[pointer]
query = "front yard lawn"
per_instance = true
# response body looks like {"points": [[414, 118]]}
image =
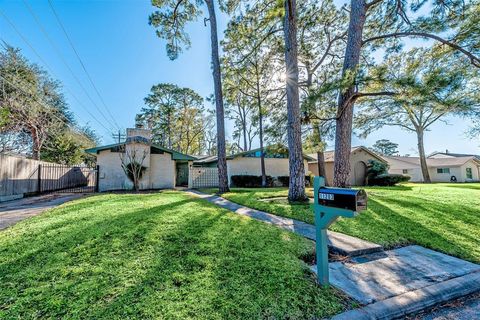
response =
{"points": [[444, 217], [161, 255]]}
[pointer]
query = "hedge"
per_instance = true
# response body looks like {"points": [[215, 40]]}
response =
{"points": [[249, 181], [387, 179], [285, 180]]}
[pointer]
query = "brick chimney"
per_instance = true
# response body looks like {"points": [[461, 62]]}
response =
{"points": [[139, 134]]}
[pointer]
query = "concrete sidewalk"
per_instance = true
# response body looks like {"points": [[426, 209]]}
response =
{"points": [[14, 211], [388, 284], [337, 242]]}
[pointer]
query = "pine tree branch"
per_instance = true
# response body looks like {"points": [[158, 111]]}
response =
{"points": [[473, 58]]}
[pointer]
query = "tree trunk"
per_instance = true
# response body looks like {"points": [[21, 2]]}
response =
{"points": [[296, 189], [423, 159], [320, 154], [321, 164], [36, 144], [343, 132], [244, 125], [260, 135], [217, 79]]}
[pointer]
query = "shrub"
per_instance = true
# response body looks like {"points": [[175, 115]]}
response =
{"points": [[249, 181], [376, 168], [285, 180], [387, 179]]}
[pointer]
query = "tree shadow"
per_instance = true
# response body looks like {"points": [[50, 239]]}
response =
{"points": [[181, 259]]}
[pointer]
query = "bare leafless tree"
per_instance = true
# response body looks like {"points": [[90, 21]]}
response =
{"points": [[132, 159]]}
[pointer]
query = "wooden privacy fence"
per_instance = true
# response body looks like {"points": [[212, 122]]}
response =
{"points": [[203, 177], [21, 176]]}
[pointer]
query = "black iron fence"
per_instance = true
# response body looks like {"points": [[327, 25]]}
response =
{"points": [[62, 178]]}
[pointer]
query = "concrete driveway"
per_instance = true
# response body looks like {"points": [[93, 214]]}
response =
{"points": [[14, 211]]}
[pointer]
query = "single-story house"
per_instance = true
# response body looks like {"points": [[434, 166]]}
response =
{"points": [[359, 158], [441, 167], [165, 168], [248, 163]]}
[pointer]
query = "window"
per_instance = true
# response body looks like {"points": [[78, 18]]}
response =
{"points": [[469, 173], [443, 170], [405, 171]]}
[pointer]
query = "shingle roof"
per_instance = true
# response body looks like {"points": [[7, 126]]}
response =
{"points": [[175, 154], [436, 162], [456, 155], [329, 156], [210, 159]]}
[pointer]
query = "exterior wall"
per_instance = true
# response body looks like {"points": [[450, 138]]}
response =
{"points": [[111, 175], [415, 173], [356, 156], [251, 166], [313, 168], [445, 177], [475, 171], [160, 172]]}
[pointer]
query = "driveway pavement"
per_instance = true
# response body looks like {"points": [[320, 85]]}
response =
{"points": [[14, 211]]}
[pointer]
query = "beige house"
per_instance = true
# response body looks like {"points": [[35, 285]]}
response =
{"points": [[442, 167], [164, 168], [248, 163], [359, 158]]}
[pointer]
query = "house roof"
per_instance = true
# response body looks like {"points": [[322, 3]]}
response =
{"points": [[175, 154], [210, 159], [456, 155], [329, 156], [435, 162]]}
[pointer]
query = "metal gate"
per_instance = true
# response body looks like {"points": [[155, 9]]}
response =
{"points": [[203, 177], [62, 178]]}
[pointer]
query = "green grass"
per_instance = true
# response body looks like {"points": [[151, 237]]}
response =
{"points": [[444, 217], [162, 255]]}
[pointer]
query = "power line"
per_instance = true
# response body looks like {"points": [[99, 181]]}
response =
{"points": [[51, 71], [81, 62], [36, 100], [59, 53]]}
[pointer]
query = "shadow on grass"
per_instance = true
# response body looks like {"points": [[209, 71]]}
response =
{"points": [[388, 227], [181, 259], [471, 186]]}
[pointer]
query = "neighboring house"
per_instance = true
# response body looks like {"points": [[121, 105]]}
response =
{"points": [[248, 163], [359, 158], [165, 168], [441, 167]]}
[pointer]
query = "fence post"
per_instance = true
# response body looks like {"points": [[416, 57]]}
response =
{"points": [[97, 177], [39, 179]]}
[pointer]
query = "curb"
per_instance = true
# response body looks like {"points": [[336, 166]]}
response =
{"points": [[417, 300]]}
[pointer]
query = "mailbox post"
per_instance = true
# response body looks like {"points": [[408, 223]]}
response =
{"points": [[329, 204]]}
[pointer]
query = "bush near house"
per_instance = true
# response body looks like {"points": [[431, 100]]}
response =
{"points": [[377, 175], [387, 180], [250, 181]]}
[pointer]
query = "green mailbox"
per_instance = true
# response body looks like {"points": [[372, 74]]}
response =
{"points": [[329, 204]]}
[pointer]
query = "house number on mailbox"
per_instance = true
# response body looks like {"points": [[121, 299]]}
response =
{"points": [[326, 196]]}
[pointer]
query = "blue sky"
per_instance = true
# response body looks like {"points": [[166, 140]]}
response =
{"points": [[125, 58]]}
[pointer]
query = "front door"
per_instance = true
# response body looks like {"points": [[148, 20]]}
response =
{"points": [[360, 172], [182, 174]]}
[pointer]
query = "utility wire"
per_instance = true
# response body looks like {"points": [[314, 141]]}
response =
{"points": [[22, 89], [59, 53], [81, 62], [51, 71]]}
